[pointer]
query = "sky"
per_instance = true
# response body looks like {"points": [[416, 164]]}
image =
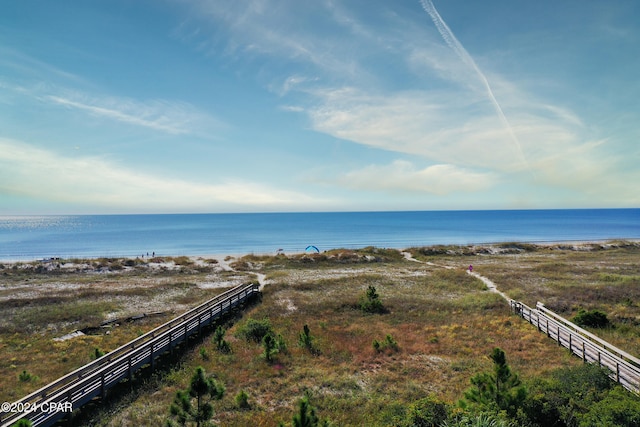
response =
{"points": [[176, 106]]}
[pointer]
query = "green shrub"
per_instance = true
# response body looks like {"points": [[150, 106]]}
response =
{"points": [[203, 353], [255, 330], [273, 345], [591, 318], [242, 400], [618, 409], [183, 410], [218, 339], [269, 345], [25, 377], [427, 412], [500, 389], [305, 340], [306, 415], [389, 343], [480, 420], [567, 395], [281, 345], [370, 302], [97, 353]]}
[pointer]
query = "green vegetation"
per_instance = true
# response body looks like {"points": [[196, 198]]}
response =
{"points": [[591, 318], [617, 409], [202, 390], [389, 344], [479, 420], [218, 339], [204, 354], [306, 415], [26, 377], [270, 349], [445, 322], [242, 400], [261, 331], [255, 330], [427, 412], [370, 301], [566, 396], [500, 390], [305, 340], [43, 302]]}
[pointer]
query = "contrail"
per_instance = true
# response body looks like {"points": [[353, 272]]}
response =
{"points": [[451, 40]]}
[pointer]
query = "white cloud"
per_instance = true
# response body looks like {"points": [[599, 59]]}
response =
{"points": [[27, 65], [166, 116], [464, 134], [283, 31], [419, 123], [38, 173], [404, 176], [291, 83], [176, 118]]}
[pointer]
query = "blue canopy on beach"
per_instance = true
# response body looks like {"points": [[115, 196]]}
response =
{"points": [[312, 248]]}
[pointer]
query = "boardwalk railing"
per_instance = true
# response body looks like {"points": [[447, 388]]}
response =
{"points": [[623, 368], [52, 402]]}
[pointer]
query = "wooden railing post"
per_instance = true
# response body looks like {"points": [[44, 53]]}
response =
{"points": [[617, 372], [152, 345], [102, 388], [129, 371], [570, 343], [548, 331], [97, 372]]}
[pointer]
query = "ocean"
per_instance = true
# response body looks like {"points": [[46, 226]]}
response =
{"points": [[88, 236]]}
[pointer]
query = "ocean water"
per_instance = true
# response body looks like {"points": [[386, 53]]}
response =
{"points": [[85, 236]]}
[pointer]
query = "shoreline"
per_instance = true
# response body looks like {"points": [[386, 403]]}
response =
{"points": [[222, 256]]}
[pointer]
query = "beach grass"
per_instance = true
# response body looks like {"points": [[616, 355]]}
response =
{"points": [[444, 321]]}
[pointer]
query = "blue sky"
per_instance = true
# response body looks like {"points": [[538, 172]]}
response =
{"points": [[168, 106]]}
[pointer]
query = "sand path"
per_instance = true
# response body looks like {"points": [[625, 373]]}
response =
{"points": [[491, 286], [262, 278]]}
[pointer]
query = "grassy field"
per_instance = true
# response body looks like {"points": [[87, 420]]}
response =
{"points": [[444, 321]]}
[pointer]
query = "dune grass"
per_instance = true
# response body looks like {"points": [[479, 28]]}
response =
{"points": [[444, 322], [39, 304]]}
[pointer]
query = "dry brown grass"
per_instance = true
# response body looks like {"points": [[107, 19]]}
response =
{"points": [[444, 321], [38, 305]]}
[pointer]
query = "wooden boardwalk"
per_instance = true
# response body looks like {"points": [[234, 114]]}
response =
{"points": [[49, 404], [94, 379], [623, 367]]}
